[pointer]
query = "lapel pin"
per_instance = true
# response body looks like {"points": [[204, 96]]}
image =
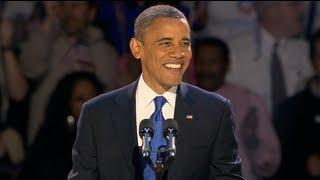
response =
{"points": [[190, 117]]}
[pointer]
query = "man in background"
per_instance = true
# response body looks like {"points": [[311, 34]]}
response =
{"points": [[259, 147]]}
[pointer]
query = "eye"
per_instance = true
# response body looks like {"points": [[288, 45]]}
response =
{"points": [[165, 43], [186, 43]]}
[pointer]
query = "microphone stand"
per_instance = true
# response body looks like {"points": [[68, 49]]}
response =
{"points": [[159, 166], [163, 161]]}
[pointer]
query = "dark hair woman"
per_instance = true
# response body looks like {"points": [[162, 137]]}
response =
{"points": [[50, 155]]}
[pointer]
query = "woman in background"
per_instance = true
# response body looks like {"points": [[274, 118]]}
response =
{"points": [[50, 155]]}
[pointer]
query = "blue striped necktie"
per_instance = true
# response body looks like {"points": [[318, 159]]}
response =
{"points": [[158, 139]]}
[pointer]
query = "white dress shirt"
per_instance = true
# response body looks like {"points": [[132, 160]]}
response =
{"points": [[250, 63], [145, 104]]}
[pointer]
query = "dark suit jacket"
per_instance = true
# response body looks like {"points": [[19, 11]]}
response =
{"points": [[298, 129], [106, 143]]}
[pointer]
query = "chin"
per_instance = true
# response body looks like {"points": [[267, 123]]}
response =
{"points": [[170, 84]]}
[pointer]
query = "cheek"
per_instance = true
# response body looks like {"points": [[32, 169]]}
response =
{"points": [[154, 61]]}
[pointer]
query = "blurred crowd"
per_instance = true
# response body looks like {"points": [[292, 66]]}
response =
{"points": [[262, 55]]}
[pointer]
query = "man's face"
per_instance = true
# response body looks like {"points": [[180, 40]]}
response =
{"points": [[165, 53], [291, 14], [210, 67], [76, 16]]}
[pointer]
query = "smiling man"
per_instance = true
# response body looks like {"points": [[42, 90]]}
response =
{"points": [[107, 143]]}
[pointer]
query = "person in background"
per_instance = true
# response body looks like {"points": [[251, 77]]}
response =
{"points": [[128, 70], [259, 147], [50, 156], [51, 52], [271, 62], [13, 102], [298, 125]]}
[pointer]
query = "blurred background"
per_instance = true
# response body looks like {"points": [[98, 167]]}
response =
{"points": [[262, 55]]}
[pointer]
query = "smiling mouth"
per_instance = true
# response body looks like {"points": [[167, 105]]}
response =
{"points": [[173, 66]]}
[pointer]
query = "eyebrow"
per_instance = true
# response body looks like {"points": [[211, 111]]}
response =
{"points": [[164, 39], [186, 39], [170, 39]]}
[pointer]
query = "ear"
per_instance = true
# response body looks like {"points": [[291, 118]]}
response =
{"points": [[136, 48]]}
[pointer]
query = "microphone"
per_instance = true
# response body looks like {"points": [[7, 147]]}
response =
{"points": [[146, 134], [170, 132]]}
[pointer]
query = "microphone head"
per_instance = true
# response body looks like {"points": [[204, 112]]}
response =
{"points": [[146, 126], [170, 125]]}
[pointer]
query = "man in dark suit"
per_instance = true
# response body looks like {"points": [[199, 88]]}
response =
{"points": [[107, 143]]}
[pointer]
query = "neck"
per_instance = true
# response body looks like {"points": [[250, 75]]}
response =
{"points": [[158, 88], [273, 30]]}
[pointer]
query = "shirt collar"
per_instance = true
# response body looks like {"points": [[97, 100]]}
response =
{"points": [[268, 40], [145, 94]]}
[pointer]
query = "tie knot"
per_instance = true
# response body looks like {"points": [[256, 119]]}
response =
{"points": [[159, 101]]}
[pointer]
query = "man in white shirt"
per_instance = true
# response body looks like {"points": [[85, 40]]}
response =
{"points": [[252, 53], [107, 144]]}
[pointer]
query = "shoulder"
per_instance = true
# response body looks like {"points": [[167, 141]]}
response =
{"points": [[298, 43], [247, 37], [248, 94], [293, 107], [108, 99], [296, 101], [207, 98]]}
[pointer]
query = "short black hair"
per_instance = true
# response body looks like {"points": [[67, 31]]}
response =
{"points": [[145, 19], [212, 41], [313, 40]]}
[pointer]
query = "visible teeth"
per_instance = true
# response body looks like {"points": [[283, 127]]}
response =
{"points": [[173, 66]]}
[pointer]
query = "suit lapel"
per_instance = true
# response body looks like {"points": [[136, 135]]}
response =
{"points": [[183, 109], [124, 120]]}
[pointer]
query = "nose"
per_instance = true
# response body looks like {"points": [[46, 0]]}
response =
{"points": [[178, 52]]}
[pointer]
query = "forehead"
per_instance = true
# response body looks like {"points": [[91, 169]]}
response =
{"points": [[168, 26], [209, 48], [206, 51]]}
